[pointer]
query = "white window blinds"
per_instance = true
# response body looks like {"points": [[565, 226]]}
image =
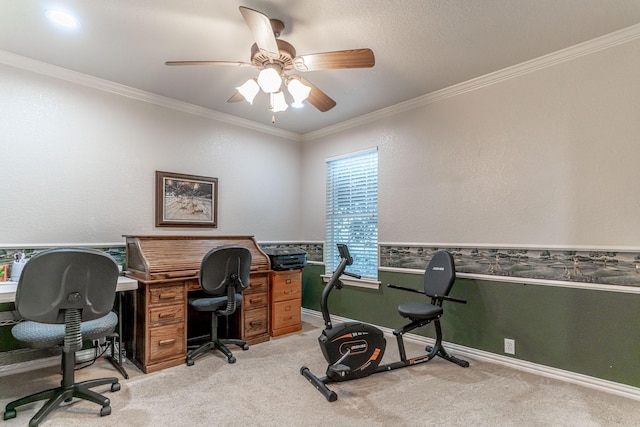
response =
{"points": [[352, 211]]}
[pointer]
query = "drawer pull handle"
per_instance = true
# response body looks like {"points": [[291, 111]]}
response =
{"points": [[287, 308], [166, 342], [255, 324], [287, 292], [167, 295], [255, 300], [166, 315], [288, 318], [288, 281]]}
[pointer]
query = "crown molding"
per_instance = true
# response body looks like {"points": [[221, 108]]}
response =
{"points": [[601, 43], [71, 76]]}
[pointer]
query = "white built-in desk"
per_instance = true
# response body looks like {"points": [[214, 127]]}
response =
{"points": [[8, 289], [8, 294]]}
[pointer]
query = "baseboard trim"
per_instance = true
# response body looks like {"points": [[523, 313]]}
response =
{"points": [[44, 362], [522, 365]]}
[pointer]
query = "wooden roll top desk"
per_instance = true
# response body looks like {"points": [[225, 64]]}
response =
{"points": [[167, 268]]}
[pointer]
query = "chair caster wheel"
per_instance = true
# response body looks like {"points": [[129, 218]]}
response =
{"points": [[10, 413], [189, 362], [245, 347], [106, 410], [115, 387], [231, 359]]}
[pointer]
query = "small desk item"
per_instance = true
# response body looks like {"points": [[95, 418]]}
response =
{"points": [[167, 268]]}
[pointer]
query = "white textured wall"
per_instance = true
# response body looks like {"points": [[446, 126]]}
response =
{"points": [[77, 165], [551, 157]]}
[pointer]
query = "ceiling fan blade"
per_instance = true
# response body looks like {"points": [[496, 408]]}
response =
{"points": [[236, 97], [227, 63], [262, 31], [355, 58], [317, 98]]}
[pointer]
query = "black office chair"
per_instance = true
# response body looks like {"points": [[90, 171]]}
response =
{"points": [[439, 277], [65, 296], [224, 274]]}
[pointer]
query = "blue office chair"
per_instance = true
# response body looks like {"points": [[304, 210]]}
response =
{"points": [[65, 296], [224, 274]]}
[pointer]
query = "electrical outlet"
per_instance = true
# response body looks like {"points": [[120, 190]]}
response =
{"points": [[509, 346]]}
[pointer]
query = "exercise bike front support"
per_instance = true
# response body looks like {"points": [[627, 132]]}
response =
{"points": [[319, 384]]}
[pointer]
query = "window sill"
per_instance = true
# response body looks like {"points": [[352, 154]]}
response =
{"points": [[358, 283]]}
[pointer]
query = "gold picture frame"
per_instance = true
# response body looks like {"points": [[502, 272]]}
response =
{"points": [[186, 200]]}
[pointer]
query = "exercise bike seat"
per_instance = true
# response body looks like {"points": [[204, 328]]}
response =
{"points": [[419, 311], [439, 277]]}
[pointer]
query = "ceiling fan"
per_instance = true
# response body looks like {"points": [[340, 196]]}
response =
{"points": [[275, 58]]}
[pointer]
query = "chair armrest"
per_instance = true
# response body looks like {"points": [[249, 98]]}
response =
{"points": [[402, 288], [446, 298]]}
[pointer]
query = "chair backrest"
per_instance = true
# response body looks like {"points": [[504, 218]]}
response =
{"points": [[439, 274], [224, 265], [63, 278]]}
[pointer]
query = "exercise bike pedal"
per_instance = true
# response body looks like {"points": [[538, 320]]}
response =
{"points": [[340, 370]]}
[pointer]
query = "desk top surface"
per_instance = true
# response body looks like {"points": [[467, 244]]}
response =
{"points": [[8, 289]]}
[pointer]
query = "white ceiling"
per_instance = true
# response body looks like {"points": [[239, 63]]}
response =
{"points": [[420, 46]]}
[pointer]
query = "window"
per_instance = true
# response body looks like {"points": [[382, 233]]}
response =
{"points": [[352, 211]]}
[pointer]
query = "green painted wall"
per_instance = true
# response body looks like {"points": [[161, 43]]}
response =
{"points": [[595, 333]]}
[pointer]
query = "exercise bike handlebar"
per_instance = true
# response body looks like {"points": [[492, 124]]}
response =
{"points": [[440, 297], [334, 282]]}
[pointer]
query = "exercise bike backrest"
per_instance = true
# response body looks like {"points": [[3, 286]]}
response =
{"points": [[335, 282]]}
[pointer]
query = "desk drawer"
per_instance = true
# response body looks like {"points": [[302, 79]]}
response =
{"points": [[251, 301], [255, 322], [166, 342], [258, 283], [193, 285], [285, 313], [285, 277], [286, 291], [166, 314], [167, 294]]}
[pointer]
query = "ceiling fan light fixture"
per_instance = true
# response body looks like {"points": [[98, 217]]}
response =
{"points": [[269, 80], [278, 102], [249, 90], [299, 91]]}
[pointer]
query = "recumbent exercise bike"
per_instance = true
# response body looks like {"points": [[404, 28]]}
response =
{"points": [[354, 349]]}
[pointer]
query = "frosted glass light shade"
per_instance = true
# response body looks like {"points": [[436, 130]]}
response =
{"points": [[299, 91], [249, 90], [269, 80], [278, 102]]}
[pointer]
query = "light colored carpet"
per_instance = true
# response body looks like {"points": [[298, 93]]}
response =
{"points": [[265, 388]]}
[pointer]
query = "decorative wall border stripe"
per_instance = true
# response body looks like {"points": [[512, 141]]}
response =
{"points": [[7, 253], [608, 269]]}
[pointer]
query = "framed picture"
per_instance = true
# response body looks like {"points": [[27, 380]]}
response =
{"points": [[186, 200]]}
